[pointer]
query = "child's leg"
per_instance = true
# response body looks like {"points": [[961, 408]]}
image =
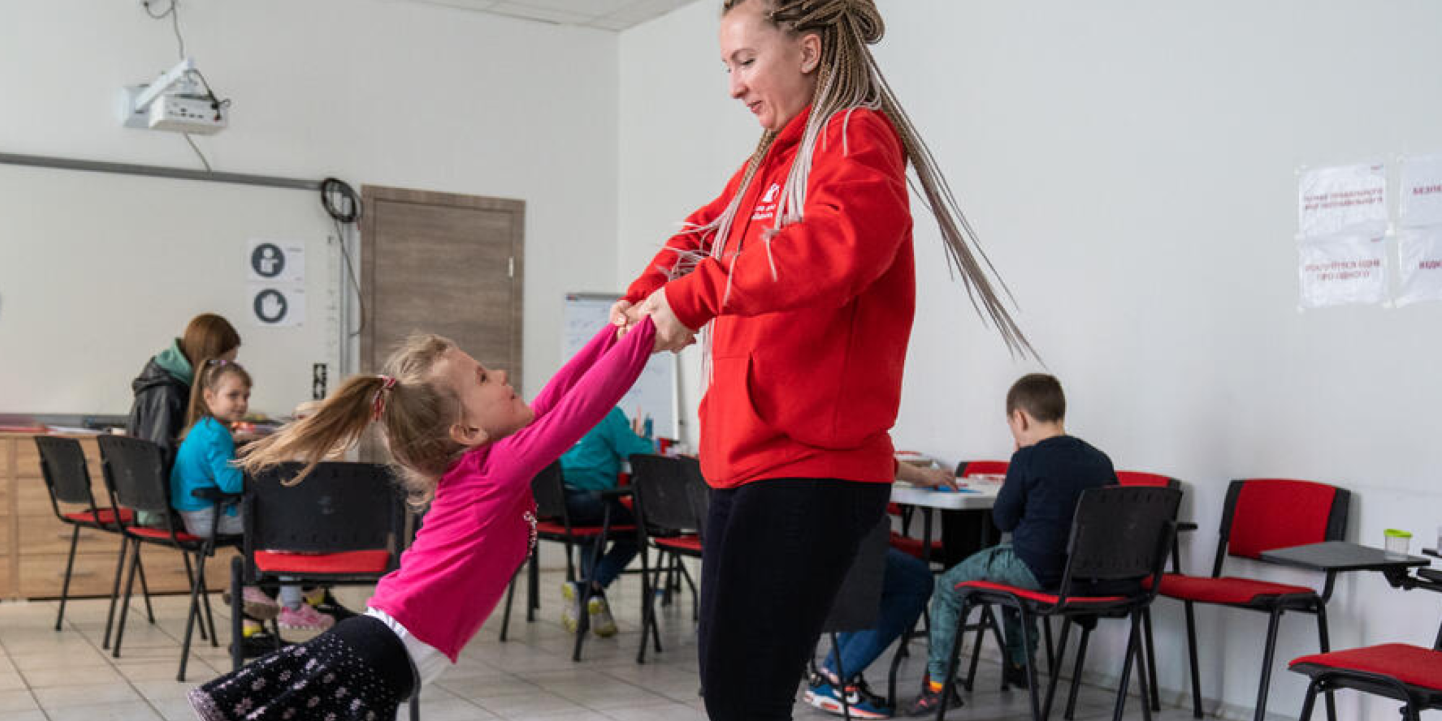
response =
{"points": [[905, 586], [946, 609], [1008, 568]]}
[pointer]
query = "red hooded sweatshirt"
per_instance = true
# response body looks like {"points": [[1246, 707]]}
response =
{"points": [[806, 365]]}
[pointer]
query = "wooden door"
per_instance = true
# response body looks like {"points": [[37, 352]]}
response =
{"points": [[446, 264]]}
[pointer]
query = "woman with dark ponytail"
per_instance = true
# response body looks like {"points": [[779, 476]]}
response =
{"points": [[800, 276]]}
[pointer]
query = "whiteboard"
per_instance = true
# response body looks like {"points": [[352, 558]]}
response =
{"points": [[655, 392], [99, 271]]}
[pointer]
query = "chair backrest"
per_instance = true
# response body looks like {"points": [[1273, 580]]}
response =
{"points": [[1266, 513], [1151, 480], [62, 463], [1120, 534], [549, 492], [858, 603], [134, 471], [699, 492], [663, 504], [338, 507], [981, 468]]}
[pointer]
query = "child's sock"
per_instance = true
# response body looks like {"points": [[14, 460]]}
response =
{"points": [[934, 686], [251, 627]]}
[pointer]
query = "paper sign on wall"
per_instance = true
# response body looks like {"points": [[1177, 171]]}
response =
{"points": [[276, 305], [274, 261], [1421, 191], [1344, 199], [1419, 254], [1342, 270]]}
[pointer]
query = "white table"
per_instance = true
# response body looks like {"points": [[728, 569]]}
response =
{"points": [[980, 496]]}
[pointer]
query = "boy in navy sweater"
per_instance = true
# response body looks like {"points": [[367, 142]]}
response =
{"points": [[1047, 475]]}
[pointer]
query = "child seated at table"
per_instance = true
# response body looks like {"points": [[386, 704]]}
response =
{"points": [[1046, 477], [206, 459], [905, 586], [590, 467]]}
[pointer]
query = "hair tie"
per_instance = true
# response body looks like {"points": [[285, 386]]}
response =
{"points": [[378, 404], [217, 361]]}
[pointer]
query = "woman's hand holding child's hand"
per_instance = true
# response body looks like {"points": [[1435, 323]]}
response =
{"points": [[670, 333]]}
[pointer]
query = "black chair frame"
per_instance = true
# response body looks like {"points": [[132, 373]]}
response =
{"points": [[1274, 606], [135, 479], [671, 498], [338, 508], [1106, 545], [1415, 699], [67, 478]]}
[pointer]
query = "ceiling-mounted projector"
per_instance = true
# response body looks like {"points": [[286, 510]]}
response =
{"points": [[177, 101]]}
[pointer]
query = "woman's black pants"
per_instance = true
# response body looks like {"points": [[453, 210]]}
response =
{"points": [[775, 554]]}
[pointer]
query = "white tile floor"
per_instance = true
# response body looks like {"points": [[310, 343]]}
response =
{"points": [[64, 675]]}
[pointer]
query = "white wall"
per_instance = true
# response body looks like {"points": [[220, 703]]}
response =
{"points": [[1130, 168], [375, 92]]}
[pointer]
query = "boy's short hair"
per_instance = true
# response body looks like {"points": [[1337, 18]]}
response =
{"points": [[1039, 395]]}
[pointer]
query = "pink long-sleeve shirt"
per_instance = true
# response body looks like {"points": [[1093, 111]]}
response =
{"points": [[477, 531]]}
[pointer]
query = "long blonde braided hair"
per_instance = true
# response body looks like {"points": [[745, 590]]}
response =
{"points": [[848, 78]]}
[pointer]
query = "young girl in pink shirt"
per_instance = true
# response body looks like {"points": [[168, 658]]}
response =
{"points": [[468, 445]]}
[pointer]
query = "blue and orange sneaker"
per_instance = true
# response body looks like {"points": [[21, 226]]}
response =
{"points": [[825, 694]]}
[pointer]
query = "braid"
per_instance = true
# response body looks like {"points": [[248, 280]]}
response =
{"points": [[849, 78]]}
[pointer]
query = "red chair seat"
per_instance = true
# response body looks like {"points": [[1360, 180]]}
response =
{"points": [[347, 563], [558, 530], [1412, 665], [163, 534], [104, 516], [893, 509], [689, 542], [914, 546], [1227, 589], [1039, 596]]}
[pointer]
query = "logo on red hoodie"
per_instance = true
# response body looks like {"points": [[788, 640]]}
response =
{"points": [[766, 209]]}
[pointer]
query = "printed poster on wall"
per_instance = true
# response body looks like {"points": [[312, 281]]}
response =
{"points": [[275, 261], [1419, 255], [1342, 270], [280, 306], [1343, 199], [1421, 191]]}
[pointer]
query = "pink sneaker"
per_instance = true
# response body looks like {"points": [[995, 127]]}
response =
{"points": [[257, 605], [305, 618]]}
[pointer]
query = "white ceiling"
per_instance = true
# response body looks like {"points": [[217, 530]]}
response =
{"points": [[603, 14]]}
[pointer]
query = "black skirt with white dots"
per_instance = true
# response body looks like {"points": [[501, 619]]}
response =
{"points": [[357, 671]]}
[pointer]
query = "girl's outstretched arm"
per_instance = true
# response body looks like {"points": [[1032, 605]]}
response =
{"points": [[573, 370], [581, 404]]}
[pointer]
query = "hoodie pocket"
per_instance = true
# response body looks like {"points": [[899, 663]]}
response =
{"points": [[733, 435]]}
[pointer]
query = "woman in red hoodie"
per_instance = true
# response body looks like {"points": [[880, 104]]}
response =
{"points": [[801, 273]]}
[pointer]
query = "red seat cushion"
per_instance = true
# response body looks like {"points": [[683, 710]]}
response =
{"points": [[1411, 665], [628, 502], [689, 542], [554, 529], [161, 533], [893, 509], [914, 546], [105, 516], [1226, 589], [1038, 596], [348, 562]]}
